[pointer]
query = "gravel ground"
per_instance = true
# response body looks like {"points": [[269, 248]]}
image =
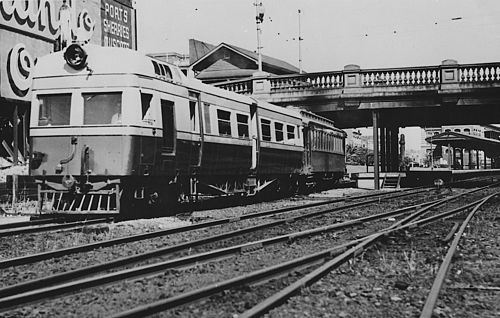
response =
{"points": [[390, 280]]}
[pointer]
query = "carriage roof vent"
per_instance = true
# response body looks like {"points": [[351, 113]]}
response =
{"points": [[162, 70]]}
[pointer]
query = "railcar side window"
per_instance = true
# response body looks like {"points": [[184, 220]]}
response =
{"points": [[242, 125], [290, 132], [145, 103], [54, 109], [206, 115], [278, 131], [266, 129], [102, 108], [224, 121], [192, 114]]}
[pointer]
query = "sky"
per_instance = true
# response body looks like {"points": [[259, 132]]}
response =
{"points": [[369, 33]]}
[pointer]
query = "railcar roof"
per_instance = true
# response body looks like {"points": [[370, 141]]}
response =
{"points": [[103, 60], [113, 60]]}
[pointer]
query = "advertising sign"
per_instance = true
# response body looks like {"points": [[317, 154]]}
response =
{"points": [[29, 29], [117, 28]]}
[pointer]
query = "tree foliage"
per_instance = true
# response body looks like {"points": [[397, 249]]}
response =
{"points": [[356, 155]]}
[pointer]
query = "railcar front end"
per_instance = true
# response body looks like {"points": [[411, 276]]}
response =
{"points": [[90, 137]]}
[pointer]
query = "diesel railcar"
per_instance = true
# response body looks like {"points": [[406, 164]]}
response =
{"points": [[114, 131]]}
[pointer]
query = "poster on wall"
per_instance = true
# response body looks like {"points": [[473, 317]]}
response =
{"points": [[117, 27]]}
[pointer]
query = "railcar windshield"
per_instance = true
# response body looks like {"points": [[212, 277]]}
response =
{"points": [[102, 108], [54, 109]]}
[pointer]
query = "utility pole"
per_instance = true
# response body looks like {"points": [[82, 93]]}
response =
{"points": [[300, 47], [259, 18]]}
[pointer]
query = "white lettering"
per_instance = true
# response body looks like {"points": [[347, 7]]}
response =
{"points": [[19, 66], [40, 18]]}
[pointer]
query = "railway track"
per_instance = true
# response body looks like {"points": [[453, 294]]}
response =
{"points": [[38, 226], [365, 200], [29, 293], [332, 259]]}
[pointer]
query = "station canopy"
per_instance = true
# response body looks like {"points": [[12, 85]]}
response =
{"points": [[458, 140]]}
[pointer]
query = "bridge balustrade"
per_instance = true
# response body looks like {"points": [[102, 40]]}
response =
{"points": [[323, 80], [479, 73], [429, 77], [238, 86], [395, 77]]}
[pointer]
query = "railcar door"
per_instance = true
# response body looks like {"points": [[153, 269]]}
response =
{"points": [[196, 123], [168, 144], [255, 134]]}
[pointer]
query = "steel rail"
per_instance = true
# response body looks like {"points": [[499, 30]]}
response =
{"points": [[259, 275], [51, 227], [28, 223], [432, 298], [22, 260], [317, 274], [93, 270]]}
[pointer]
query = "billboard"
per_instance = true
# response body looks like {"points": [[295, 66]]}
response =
{"points": [[117, 24], [29, 29]]}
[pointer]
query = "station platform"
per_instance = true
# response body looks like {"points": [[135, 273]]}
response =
{"points": [[418, 177]]}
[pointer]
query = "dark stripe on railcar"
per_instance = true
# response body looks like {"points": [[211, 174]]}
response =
{"points": [[327, 162], [278, 161], [218, 159], [226, 159]]}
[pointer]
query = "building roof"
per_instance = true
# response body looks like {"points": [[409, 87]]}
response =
{"points": [[458, 140], [203, 55]]}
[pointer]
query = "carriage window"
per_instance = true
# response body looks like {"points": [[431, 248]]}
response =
{"points": [[278, 130], [102, 108], [266, 129], [242, 125], [290, 132], [224, 120], [192, 114], [206, 110], [54, 109], [145, 103]]}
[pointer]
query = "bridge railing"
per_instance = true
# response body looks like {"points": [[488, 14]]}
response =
{"points": [[352, 76], [476, 73], [399, 77], [243, 86], [322, 80]]}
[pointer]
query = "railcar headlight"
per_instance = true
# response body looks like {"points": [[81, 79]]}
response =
{"points": [[68, 181], [36, 159], [75, 56]]}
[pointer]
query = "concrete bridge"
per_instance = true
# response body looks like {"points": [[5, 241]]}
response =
{"points": [[449, 93], [387, 99]]}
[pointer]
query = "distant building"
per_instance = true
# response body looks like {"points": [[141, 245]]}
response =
{"points": [[439, 156], [354, 138], [224, 62], [368, 141]]}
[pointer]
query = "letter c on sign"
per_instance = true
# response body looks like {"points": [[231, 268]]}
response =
{"points": [[19, 67]]}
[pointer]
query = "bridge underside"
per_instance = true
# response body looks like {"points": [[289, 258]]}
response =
{"points": [[386, 115], [407, 113]]}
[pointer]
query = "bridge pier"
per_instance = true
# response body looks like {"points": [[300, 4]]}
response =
{"points": [[385, 147], [376, 165], [389, 150]]}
